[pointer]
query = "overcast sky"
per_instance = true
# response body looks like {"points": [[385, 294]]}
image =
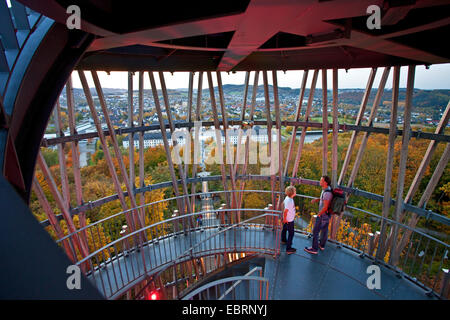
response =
{"points": [[436, 77]]}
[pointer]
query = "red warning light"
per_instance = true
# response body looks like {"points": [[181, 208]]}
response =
{"points": [[153, 295]]}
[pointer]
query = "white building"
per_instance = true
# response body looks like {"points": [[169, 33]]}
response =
{"points": [[154, 138]]}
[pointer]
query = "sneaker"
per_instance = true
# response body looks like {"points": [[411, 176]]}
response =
{"points": [[321, 248], [310, 250], [291, 251]]}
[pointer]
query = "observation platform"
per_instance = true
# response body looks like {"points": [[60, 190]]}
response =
{"points": [[333, 274], [38, 54]]}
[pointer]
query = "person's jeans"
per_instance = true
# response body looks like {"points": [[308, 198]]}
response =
{"points": [[321, 226], [288, 227]]}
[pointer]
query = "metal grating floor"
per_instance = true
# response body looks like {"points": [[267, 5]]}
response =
{"points": [[335, 273]]}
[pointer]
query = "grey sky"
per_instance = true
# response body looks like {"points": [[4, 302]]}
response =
{"points": [[436, 77]]}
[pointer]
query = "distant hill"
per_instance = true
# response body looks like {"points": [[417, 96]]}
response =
{"points": [[421, 98], [238, 89]]}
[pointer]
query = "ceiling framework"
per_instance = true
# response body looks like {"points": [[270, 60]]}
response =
{"points": [[258, 34]]}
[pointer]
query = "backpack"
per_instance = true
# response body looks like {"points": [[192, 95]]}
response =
{"points": [[338, 202]]}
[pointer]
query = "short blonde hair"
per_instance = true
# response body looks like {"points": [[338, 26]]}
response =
{"points": [[290, 191]]}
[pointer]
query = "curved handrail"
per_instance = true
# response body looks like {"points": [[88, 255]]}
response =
{"points": [[362, 241], [222, 281], [136, 232], [154, 267], [150, 204], [255, 269], [184, 254]]}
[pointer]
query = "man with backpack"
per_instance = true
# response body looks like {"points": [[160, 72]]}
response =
{"points": [[323, 217]]}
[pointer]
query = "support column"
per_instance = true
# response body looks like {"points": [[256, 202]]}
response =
{"points": [[421, 171], [61, 156], [269, 136], [83, 248], [278, 127], [52, 219], [75, 156], [174, 142], [187, 148], [307, 113], [118, 153], [131, 125], [389, 163], [129, 217], [296, 118], [229, 153], [437, 173], [324, 124], [166, 145], [244, 107], [359, 118], [247, 139], [197, 139], [373, 113], [136, 219], [75, 152], [393, 257], [334, 150], [141, 137], [218, 138], [427, 158], [335, 219]]}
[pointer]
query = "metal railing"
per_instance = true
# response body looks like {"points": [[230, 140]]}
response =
{"points": [[424, 260], [173, 240], [120, 258], [268, 249], [214, 289], [160, 251], [114, 227]]}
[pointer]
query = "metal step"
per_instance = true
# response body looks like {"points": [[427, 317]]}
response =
{"points": [[4, 66], [19, 15], [7, 31]]}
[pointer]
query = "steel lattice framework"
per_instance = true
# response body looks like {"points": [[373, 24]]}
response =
{"points": [[313, 36]]}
